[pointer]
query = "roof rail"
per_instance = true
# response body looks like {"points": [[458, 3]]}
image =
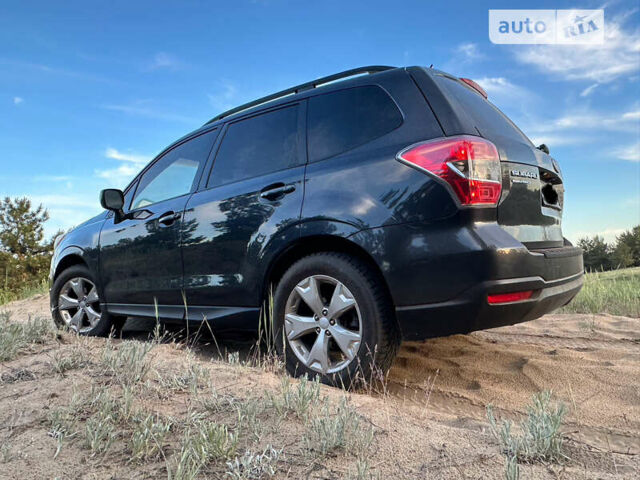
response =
{"points": [[303, 87]]}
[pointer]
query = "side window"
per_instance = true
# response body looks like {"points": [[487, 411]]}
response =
{"points": [[262, 144], [342, 120], [174, 174]]}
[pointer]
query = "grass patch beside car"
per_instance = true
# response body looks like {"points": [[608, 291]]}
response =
{"points": [[35, 288], [616, 292]]}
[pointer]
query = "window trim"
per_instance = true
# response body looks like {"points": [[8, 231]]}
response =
{"points": [[160, 156], [301, 104], [377, 85]]}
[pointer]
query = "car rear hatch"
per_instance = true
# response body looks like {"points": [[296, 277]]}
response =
{"points": [[530, 207]]}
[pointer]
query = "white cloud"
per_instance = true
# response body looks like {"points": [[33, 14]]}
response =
{"points": [[587, 119], [634, 115], [469, 51], [164, 60], [224, 98], [126, 157], [121, 175], [552, 140], [630, 152], [589, 90], [52, 178], [502, 88], [145, 108], [17, 100], [615, 58]]}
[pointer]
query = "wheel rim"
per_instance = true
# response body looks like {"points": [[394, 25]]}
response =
{"points": [[322, 323], [79, 304]]}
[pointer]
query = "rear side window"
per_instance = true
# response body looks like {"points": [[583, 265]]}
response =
{"points": [[258, 145], [485, 116], [342, 120]]}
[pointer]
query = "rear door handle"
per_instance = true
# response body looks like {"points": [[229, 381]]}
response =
{"points": [[276, 190], [168, 218]]}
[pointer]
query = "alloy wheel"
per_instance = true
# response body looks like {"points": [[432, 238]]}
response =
{"points": [[79, 304], [323, 324]]}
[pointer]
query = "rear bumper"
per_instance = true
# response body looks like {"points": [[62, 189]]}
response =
{"points": [[470, 311]]}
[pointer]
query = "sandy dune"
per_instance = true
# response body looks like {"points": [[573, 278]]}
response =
{"points": [[438, 391], [590, 362]]}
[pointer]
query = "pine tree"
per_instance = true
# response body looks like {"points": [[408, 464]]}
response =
{"points": [[21, 227], [24, 257]]}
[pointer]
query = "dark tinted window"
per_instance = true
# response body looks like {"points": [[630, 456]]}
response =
{"points": [[176, 173], [486, 116], [340, 121], [258, 145]]}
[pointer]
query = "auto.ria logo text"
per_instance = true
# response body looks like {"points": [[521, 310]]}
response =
{"points": [[546, 26]]}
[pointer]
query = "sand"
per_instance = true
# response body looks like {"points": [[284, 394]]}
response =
{"points": [[431, 420]]}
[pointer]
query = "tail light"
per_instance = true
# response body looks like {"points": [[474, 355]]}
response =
{"points": [[470, 165]]}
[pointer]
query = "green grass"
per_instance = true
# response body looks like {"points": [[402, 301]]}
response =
{"points": [[616, 292], [26, 291]]}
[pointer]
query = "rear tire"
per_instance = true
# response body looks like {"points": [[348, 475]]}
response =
{"points": [[334, 320], [76, 304]]}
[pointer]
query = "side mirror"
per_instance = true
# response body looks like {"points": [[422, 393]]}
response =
{"points": [[113, 199], [544, 148]]}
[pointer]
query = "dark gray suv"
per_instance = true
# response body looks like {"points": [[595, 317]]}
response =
{"points": [[377, 204]]}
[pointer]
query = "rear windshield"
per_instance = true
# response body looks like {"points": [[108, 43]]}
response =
{"points": [[486, 117]]}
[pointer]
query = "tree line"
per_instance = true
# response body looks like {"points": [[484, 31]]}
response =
{"points": [[600, 255]]}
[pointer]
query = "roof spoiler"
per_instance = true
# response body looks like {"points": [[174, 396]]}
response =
{"points": [[475, 86]]}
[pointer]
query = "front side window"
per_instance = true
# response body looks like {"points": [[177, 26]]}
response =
{"points": [[342, 120], [258, 145], [174, 174]]}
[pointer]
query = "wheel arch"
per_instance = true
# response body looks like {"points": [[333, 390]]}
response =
{"points": [[317, 244], [71, 258]]}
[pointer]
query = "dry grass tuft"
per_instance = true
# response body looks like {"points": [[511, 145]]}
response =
{"points": [[539, 439], [15, 337]]}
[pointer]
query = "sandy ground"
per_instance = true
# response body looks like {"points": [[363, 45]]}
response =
{"points": [[432, 419]]}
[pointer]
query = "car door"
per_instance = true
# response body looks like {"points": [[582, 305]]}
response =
{"points": [[253, 197], [140, 259]]}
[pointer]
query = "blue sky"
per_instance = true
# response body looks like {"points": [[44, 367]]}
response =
{"points": [[90, 91]]}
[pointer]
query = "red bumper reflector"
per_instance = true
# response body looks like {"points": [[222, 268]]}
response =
{"points": [[509, 297]]}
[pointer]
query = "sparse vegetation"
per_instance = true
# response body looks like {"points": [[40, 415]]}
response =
{"points": [[148, 436], [298, 399], [616, 292], [251, 466], [539, 437], [127, 361], [158, 408], [338, 428], [64, 361], [15, 337]]}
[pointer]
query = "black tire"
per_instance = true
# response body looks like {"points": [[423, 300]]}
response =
{"points": [[106, 325], [380, 336]]}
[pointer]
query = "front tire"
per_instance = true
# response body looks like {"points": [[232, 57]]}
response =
{"points": [[334, 320], [76, 304]]}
